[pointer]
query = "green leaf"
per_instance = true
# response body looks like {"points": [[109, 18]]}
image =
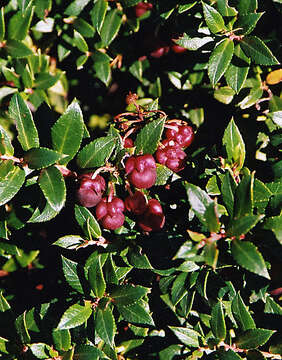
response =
{"points": [[11, 184], [136, 69], [217, 321], [103, 71], [242, 225], [213, 19], [98, 14], [80, 42], [244, 196], [67, 132], [84, 28], [44, 26], [110, 27], [136, 313], [271, 307], [42, 7], [250, 100], [128, 294], [274, 224], [261, 195], [6, 91], [45, 80], [211, 254], [87, 221], [148, 138], [69, 241], [52, 184], [225, 9], [2, 24], [4, 305], [247, 6], [224, 94], [96, 277], [138, 260], [40, 350], [255, 48], [220, 59], [74, 316], [211, 216], [21, 328], [228, 355], [6, 147], [105, 325], [247, 255], [238, 69], [241, 313], [234, 145], [19, 24], [71, 269], [97, 152], [129, 3], [188, 337], [253, 338], [38, 158], [44, 215], [163, 174], [178, 290], [87, 352], [193, 43], [61, 339], [17, 49], [27, 132], [76, 7], [247, 23]]}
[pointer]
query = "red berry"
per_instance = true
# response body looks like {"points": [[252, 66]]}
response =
{"points": [[160, 50], [110, 213], [177, 49], [153, 219], [182, 134], [141, 8], [171, 155], [90, 190], [136, 203], [141, 171], [128, 143]]}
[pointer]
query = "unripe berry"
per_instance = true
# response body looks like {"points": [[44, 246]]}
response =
{"points": [[141, 8], [110, 213], [182, 134], [136, 203], [153, 218], [90, 190], [141, 171], [171, 155]]}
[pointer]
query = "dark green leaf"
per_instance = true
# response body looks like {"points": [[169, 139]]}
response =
{"points": [[247, 6], [138, 260], [87, 221], [242, 225], [44, 215], [67, 132], [129, 3], [84, 28], [21, 328], [188, 337], [76, 7], [61, 339], [103, 71], [80, 42], [110, 27], [11, 184], [217, 321], [250, 100], [19, 24], [71, 271], [45, 80], [27, 132], [136, 313], [178, 290], [6, 147], [42, 7], [52, 184], [271, 307], [128, 294], [225, 9], [105, 325], [220, 59], [38, 158], [97, 152], [136, 70], [261, 195], [211, 216], [87, 352], [148, 138], [274, 224], [244, 197], [228, 355], [69, 241], [17, 49], [74, 316], [213, 19], [247, 23], [228, 190], [258, 51], [248, 256], [211, 254], [96, 277], [241, 313], [98, 14], [253, 338]]}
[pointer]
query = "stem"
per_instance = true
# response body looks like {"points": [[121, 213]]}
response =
{"points": [[10, 157]]}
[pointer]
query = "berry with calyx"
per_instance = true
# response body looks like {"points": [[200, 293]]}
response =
{"points": [[141, 8], [128, 143], [182, 134], [110, 213], [141, 171], [153, 218], [136, 203], [90, 190], [171, 155]]}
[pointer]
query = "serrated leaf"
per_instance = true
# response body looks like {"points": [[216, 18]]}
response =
{"points": [[241, 313], [17, 49], [188, 337], [74, 316], [6, 147], [217, 321], [87, 352], [98, 14], [247, 22], [148, 138], [44, 215], [138, 260], [271, 307], [40, 350], [178, 290], [69, 242], [234, 145], [136, 313], [87, 221], [228, 355], [52, 184], [71, 270], [128, 294], [255, 48], [242, 225], [96, 277], [253, 338], [163, 174], [27, 132], [261, 195], [97, 152], [247, 255], [213, 19], [11, 184], [67, 132], [38, 158], [76, 7], [105, 325], [274, 224], [110, 27], [244, 196], [220, 59]]}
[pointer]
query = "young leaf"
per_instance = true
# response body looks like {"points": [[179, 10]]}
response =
{"points": [[71, 271], [241, 313], [110, 27], [253, 338], [247, 255], [96, 277], [11, 184], [52, 184], [136, 313], [217, 321], [188, 337], [98, 14], [220, 59], [105, 325], [255, 48], [17, 49], [87, 221], [213, 19], [242, 225], [97, 152], [74, 316], [247, 23], [38, 158], [67, 132], [27, 132], [128, 294], [244, 196], [148, 138]]}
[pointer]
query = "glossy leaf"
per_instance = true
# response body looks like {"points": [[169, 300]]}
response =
{"points": [[220, 59], [213, 19], [103, 72], [11, 184], [128, 294], [80, 42], [225, 9], [228, 187], [244, 197], [253, 338], [17, 49], [19, 24], [193, 43], [21, 328], [67, 132], [27, 132], [6, 147], [251, 99], [98, 14], [110, 27], [228, 355], [38, 158], [274, 224], [148, 138], [217, 321], [241, 313], [136, 313], [74, 316], [96, 277], [71, 270], [76, 7], [69, 242], [163, 174], [211, 216], [62, 339], [247, 6], [188, 337], [87, 221], [105, 325], [272, 307], [255, 48], [247, 255], [211, 254], [45, 80], [242, 225], [44, 215], [247, 22]]}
